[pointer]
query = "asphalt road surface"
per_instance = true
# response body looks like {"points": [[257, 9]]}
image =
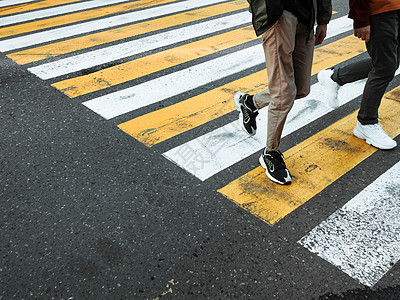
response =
{"points": [[124, 173]]}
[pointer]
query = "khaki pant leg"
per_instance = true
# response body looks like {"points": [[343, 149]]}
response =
{"points": [[262, 99], [302, 61], [279, 44]]}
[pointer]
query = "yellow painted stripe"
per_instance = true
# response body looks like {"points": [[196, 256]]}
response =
{"points": [[81, 85], [315, 164], [67, 46], [31, 6], [163, 124], [77, 17]]}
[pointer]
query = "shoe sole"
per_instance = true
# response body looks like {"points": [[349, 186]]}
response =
{"points": [[236, 98], [361, 136], [262, 163]]}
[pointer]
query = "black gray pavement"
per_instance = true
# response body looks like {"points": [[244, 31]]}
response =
{"points": [[87, 212]]}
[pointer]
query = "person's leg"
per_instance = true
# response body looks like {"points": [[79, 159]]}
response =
{"points": [[262, 99], [302, 61], [383, 49], [352, 72], [332, 79], [279, 44]]}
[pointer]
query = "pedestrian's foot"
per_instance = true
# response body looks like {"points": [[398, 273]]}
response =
{"points": [[330, 87], [247, 116], [374, 135], [275, 168]]}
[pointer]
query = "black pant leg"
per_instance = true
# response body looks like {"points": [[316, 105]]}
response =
{"points": [[383, 49], [352, 72]]}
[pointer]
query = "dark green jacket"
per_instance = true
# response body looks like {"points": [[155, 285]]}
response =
{"points": [[266, 12]]}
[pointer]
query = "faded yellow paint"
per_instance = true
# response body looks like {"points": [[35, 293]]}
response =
{"points": [[131, 70], [77, 17], [165, 123], [79, 43], [315, 164], [13, 9]]}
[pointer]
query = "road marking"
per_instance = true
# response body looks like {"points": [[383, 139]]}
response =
{"points": [[217, 150], [131, 70], [14, 2], [95, 39], [314, 163], [123, 101], [362, 238], [51, 12], [77, 17], [51, 35], [24, 5], [122, 50], [168, 122]]}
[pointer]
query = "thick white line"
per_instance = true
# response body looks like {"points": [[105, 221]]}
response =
{"points": [[108, 54], [59, 10], [111, 53], [153, 91], [363, 237], [13, 2], [104, 23], [123, 101], [215, 151]]}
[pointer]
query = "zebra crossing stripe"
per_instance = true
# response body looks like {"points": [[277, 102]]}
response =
{"points": [[314, 163], [168, 122], [50, 12], [211, 153], [77, 17], [25, 5], [79, 43], [84, 28], [14, 2], [123, 101], [362, 238], [122, 50], [131, 70]]}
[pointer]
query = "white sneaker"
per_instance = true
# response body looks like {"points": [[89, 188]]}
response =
{"points": [[374, 135], [331, 87]]}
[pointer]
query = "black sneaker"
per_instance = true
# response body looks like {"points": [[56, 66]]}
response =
{"points": [[247, 116], [275, 168]]}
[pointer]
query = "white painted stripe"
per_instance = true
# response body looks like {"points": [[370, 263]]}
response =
{"points": [[153, 91], [363, 237], [123, 101], [339, 26], [111, 53], [4, 3], [59, 10], [108, 54], [104, 23], [213, 152]]}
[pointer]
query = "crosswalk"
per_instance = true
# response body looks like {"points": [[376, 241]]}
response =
{"points": [[118, 57]]}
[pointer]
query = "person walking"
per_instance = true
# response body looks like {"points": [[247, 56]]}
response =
{"points": [[287, 30], [377, 22]]}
